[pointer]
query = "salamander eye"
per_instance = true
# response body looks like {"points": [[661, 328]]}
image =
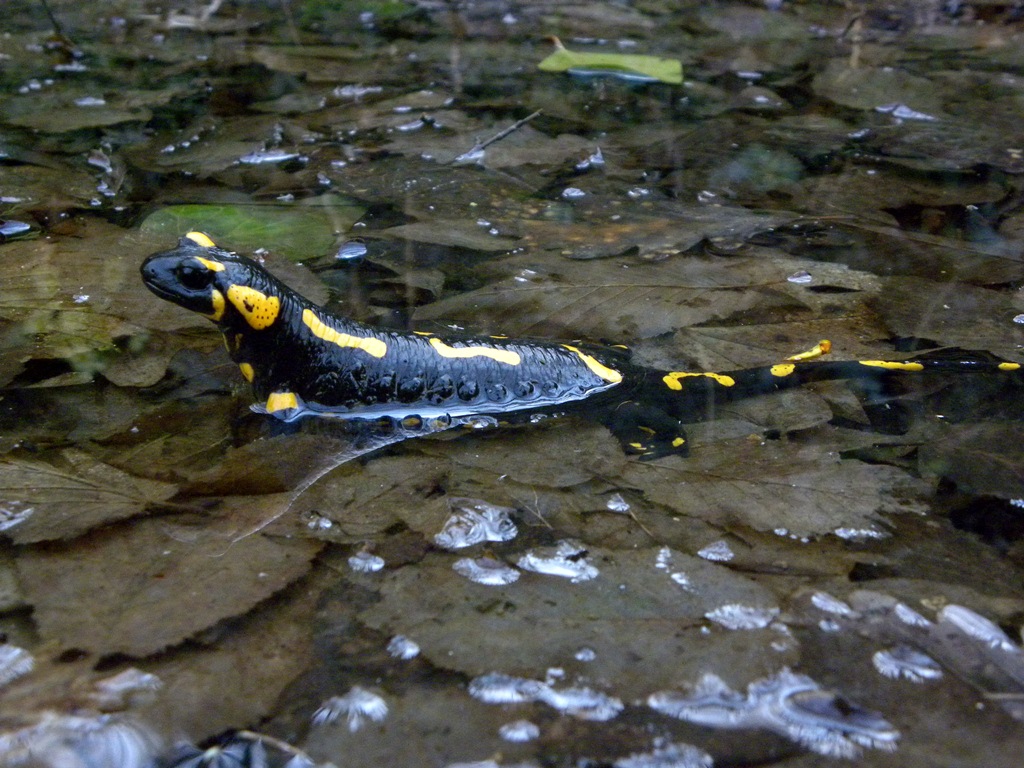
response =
{"points": [[195, 278]]}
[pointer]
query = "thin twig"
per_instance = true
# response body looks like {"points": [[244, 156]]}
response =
{"points": [[482, 145], [284, 746], [53, 20]]}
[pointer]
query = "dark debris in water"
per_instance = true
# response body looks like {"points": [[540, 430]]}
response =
{"points": [[174, 571]]}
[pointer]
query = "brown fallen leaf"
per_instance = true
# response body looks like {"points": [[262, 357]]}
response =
{"points": [[642, 614], [69, 495], [137, 589], [768, 486]]}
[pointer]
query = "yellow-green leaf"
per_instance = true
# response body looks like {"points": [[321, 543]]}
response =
{"points": [[627, 66], [298, 231]]}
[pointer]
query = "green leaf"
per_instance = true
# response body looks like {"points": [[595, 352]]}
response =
{"points": [[627, 66], [299, 231]]}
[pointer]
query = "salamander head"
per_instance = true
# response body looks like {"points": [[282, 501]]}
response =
{"points": [[231, 290]]}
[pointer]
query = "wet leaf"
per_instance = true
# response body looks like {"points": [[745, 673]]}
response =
{"points": [[300, 231], [951, 314], [623, 300], [59, 187], [524, 147], [420, 722], [724, 228], [174, 442], [856, 192], [767, 486], [459, 234], [365, 501], [72, 109], [982, 458], [859, 244], [71, 494], [568, 453], [319, 63], [139, 589], [69, 298], [237, 676], [541, 621], [870, 88], [629, 66]]}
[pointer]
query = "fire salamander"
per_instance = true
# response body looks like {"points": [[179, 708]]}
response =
{"points": [[303, 361]]}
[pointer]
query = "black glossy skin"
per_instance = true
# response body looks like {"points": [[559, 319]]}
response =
{"points": [[410, 378], [395, 374]]}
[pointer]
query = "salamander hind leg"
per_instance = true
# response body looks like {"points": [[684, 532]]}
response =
{"points": [[646, 430]]}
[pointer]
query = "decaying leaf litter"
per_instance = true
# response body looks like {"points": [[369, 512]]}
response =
{"points": [[820, 172]]}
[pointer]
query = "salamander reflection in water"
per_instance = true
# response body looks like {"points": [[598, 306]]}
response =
{"points": [[304, 361]]}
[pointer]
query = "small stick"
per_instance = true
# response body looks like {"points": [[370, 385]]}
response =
{"points": [[53, 19], [59, 36], [482, 145], [284, 746]]}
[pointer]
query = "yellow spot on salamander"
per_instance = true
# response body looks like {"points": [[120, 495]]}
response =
{"points": [[782, 369], [678, 442], [280, 401], [823, 347], [423, 333], [672, 379], [210, 264], [200, 239], [506, 356], [247, 372], [258, 309], [1009, 366], [890, 366], [638, 446], [606, 373], [321, 330], [217, 299]]}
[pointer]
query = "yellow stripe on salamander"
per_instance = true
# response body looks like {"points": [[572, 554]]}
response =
{"points": [[1009, 366], [247, 371], [890, 366], [506, 356], [672, 379], [217, 299], [321, 330], [200, 239], [210, 264], [602, 370]]}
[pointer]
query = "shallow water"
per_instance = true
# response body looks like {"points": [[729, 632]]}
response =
{"points": [[833, 571]]}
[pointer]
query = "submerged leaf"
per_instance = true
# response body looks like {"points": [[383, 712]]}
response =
{"points": [[541, 621], [457, 233], [65, 499], [299, 231], [141, 588], [601, 299], [71, 297], [628, 66], [979, 458], [772, 487]]}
